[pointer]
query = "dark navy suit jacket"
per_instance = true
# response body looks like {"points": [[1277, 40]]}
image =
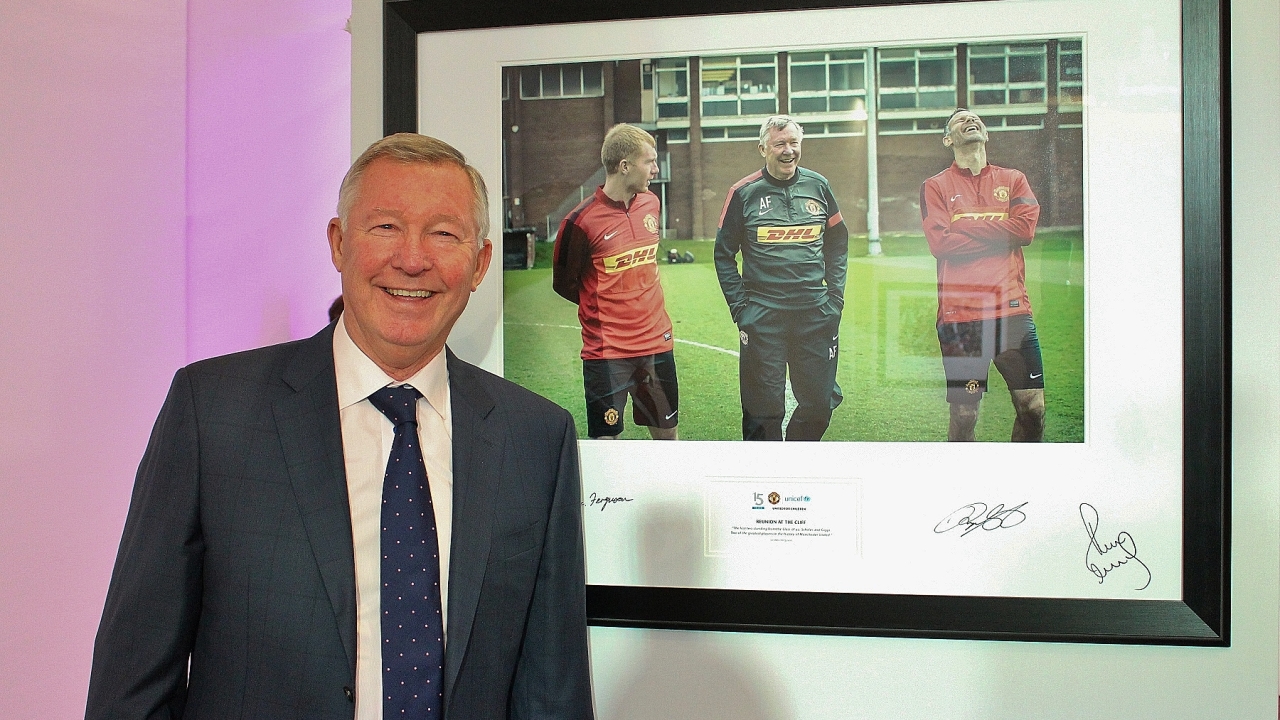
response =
{"points": [[237, 552]]}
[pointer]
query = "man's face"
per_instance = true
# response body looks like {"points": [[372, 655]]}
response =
{"points": [[965, 128], [639, 169], [781, 152], [409, 260]]}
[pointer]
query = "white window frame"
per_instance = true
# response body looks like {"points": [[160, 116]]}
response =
{"points": [[1066, 104], [580, 68], [917, 113], [741, 132], [826, 64], [659, 98], [737, 94], [1006, 51]]}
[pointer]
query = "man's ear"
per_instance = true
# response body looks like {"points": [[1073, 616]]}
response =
{"points": [[482, 264], [335, 243]]}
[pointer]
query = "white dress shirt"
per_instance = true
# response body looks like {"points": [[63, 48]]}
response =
{"points": [[366, 445]]}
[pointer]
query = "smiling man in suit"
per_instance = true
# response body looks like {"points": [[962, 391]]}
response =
{"points": [[295, 502]]}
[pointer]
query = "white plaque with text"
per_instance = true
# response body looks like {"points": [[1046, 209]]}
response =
{"points": [[809, 518]]}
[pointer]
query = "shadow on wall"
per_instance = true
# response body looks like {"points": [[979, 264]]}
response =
{"points": [[681, 674]]}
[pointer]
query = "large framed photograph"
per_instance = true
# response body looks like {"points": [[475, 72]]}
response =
{"points": [[1108, 119]]}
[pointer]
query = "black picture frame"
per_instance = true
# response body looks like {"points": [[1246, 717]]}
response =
{"points": [[1202, 616]]}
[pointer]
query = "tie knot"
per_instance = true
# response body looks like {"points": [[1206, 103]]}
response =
{"points": [[399, 404]]}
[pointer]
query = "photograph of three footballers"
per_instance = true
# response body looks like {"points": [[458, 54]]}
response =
{"points": [[781, 327]]}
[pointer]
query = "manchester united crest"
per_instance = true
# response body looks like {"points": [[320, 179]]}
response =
{"points": [[774, 498], [970, 387], [651, 222], [812, 207], [1001, 193], [610, 417]]}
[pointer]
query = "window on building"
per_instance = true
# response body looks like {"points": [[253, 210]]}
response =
{"points": [[900, 126], [1007, 74], [917, 89], [1011, 78], [826, 82], [1012, 122], [739, 85], [730, 132], [812, 129], [561, 81], [917, 78], [672, 81], [678, 135], [1070, 73]]}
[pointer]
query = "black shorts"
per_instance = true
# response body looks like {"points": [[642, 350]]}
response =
{"points": [[650, 380], [969, 347]]}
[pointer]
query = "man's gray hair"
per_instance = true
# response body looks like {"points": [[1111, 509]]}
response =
{"points": [[415, 148], [778, 122]]}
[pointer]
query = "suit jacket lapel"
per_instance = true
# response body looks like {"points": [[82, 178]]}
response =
{"points": [[311, 439], [477, 460]]}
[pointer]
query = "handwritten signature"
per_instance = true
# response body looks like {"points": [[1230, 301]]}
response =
{"points": [[605, 501], [977, 515], [1101, 559]]}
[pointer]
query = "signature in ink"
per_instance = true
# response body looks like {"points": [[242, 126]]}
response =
{"points": [[604, 501], [1102, 558], [975, 516]]}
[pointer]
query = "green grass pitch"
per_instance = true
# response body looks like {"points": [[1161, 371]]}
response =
{"points": [[889, 370]]}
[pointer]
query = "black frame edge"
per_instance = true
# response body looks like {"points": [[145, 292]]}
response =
{"points": [[399, 68], [1206, 156]]}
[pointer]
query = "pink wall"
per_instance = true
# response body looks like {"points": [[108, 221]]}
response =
{"points": [[166, 169], [268, 140]]}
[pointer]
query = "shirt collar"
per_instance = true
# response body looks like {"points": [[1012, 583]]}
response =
{"points": [[779, 182], [965, 171], [359, 377], [602, 197]]}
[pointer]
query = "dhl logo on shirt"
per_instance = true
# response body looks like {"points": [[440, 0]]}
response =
{"points": [[631, 258], [794, 234], [984, 215]]}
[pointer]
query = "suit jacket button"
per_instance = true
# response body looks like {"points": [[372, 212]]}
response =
{"points": [[351, 697]]}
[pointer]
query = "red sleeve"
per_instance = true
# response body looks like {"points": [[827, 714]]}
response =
{"points": [[944, 239], [1019, 228], [571, 257]]}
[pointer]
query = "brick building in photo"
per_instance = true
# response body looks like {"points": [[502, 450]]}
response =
{"points": [[706, 114]]}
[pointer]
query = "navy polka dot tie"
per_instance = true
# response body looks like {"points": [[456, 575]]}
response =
{"points": [[412, 624]]}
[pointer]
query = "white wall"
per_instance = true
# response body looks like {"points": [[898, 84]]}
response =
{"points": [[667, 674]]}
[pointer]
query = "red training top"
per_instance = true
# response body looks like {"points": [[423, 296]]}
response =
{"points": [[606, 261], [976, 226]]}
